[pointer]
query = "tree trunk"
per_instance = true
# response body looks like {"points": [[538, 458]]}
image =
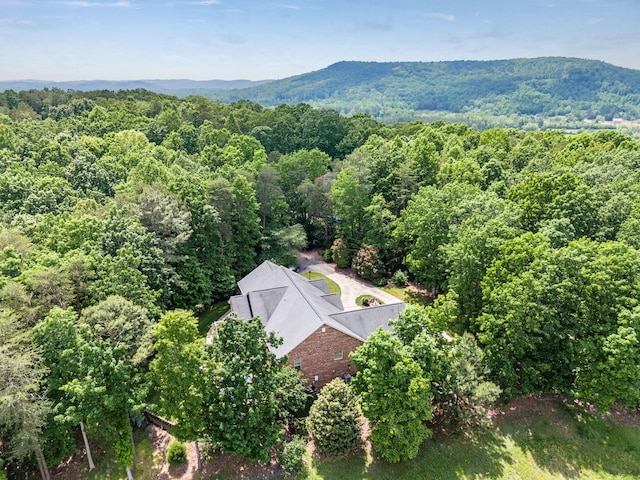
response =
{"points": [[198, 456], [86, 446], [133, 447], [129, 474], [42, 464]]}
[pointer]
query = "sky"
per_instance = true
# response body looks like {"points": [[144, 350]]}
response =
{"points": [[60, 40]]}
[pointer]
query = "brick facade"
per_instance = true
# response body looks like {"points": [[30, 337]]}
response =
{"points": [[316, 354]]}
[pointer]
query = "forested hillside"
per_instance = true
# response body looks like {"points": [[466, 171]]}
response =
{"points": [[537, 93], [545, 87], [124, 213]]}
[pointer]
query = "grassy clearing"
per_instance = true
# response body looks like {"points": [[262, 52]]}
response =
{"points": [[149, 461], [213, 313], [333, 286], [407, 295], [569, 445]]}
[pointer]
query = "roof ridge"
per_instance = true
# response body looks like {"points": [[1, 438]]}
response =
{"points": [[295, 284]]}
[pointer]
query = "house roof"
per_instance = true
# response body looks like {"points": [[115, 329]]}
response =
{"points": [[294, 307]]}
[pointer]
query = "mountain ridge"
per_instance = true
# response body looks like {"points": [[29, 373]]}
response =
{"points": [[544, 87]]}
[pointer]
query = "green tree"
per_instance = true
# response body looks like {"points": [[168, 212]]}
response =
{"points": [[240, 408], [177, 374], [61, 340], [291, 394], [23, 408], [350, 198], [368, 264], [340, 253], [334, 419], [395, 395], [295, 168]]}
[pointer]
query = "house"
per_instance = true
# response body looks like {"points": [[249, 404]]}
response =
{"points": [[318, 333]]}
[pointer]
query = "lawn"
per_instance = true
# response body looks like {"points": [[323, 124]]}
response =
{"points": [[563, 445], [213, 313], [333, 286], [408, 295], [149, 461], [544, 440]]}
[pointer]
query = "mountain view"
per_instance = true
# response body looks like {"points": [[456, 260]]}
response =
{"points": [[552, 91], [319, 240], [548, 87]]}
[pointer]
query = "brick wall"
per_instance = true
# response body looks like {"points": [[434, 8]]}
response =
{"points": [[317, 355]]}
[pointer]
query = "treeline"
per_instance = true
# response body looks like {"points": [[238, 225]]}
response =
{"points": [[538, 87], [123, 211]]}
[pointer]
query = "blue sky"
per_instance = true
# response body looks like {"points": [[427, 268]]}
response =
{"points": [[244, 39]]}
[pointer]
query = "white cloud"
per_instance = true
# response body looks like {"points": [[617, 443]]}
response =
{"points": [[440, 16], [208, 2], [288, 7]]}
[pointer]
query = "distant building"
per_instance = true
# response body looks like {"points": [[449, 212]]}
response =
{"points": [[318, 334]]}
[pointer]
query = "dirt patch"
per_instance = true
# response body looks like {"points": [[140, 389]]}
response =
{"points": [[624, 417], [235, 468], [76, 466], [549, 405], [159, 441]]}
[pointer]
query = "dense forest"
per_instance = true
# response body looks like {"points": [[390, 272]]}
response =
{"points": [[531, 94], [126, 214], [512, 92]]}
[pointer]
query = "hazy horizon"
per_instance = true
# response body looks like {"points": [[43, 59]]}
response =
{"points": [[78, 40]]}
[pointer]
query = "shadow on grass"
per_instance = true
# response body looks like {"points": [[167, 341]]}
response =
{"points": [[417, 298], [482, 456], [577, 442], [210, 315]]}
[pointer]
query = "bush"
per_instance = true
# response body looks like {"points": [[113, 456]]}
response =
{"points": [[340, 253], [334, 419], [290, 457], [367, 263], [380, 282], [176, 452], [400, 278], [327, 255]]}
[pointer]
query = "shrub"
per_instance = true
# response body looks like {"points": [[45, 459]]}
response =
{"points": [[380, 282], [176, 452], [400, 278], [290, 457], [340, 252], [367, 263], [327, 255], [334, 419]]}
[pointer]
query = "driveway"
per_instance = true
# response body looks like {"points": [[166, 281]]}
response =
{"points": [[352, 286]]}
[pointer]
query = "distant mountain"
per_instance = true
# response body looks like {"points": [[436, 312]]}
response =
{"points": [[482, 93], [546, 86], [171, 87]]}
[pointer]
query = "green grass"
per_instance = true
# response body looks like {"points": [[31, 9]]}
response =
{"points": [[333, 286], [149, 463], [213, 313], [408, 296], [362, 297], [562, 446]]}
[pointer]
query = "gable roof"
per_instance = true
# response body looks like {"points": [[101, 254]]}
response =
{"points": [[294, 307]]}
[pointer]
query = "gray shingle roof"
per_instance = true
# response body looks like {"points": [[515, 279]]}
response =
{"points": [[294, 307]]}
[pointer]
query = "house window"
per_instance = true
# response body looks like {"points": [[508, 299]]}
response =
{"points": [[297, 364], [337, 355]]}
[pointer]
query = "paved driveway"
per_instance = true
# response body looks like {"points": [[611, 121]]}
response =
{"points": [[352, 287]]}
